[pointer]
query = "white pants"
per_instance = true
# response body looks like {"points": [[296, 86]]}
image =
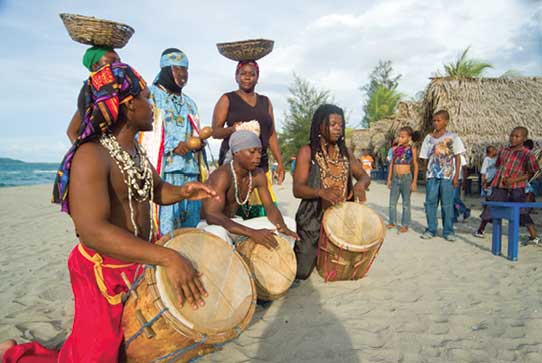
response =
{"points": [[255, 223]]}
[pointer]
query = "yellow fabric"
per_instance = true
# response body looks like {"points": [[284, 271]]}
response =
{"points": [[202, 169], [97, 260], [255, 197]]}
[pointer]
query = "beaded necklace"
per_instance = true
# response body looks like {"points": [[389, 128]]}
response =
{"points": [[236, 190], [334, 172], [138, 177]]}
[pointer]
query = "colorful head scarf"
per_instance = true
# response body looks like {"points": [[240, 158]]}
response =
{"points": [[170, 57], [93, 55], [106, 89], [243, 63]]}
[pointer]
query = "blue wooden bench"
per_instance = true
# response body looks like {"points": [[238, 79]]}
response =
{"points": [[509, 211]]}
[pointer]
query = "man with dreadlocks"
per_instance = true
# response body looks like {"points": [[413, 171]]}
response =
{"points": [[106, 184], [175, 120], [245, 109], [94, 58], [323, 177]]}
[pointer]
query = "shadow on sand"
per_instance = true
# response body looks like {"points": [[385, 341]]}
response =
{"points": [[321, 337]]}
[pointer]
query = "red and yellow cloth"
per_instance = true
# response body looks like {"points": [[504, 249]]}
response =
{"points": [[96, 334]]}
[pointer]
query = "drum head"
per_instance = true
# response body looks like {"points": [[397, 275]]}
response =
{"points": [[353, 226], [230, 304], [274, 270]]}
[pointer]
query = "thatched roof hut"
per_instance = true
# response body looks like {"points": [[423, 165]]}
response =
{"points": [[483, 111], [409, 113], [380, 134], [359, 140]]}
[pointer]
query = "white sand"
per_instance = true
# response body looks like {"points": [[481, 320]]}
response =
{"points": [[422, 301]]}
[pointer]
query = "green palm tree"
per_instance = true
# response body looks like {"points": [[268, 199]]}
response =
{"points": [[464, 67], [382, 104]]}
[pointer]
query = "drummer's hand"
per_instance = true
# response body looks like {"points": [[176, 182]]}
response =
{"points": [[196, 191], [265, 237], [332, 195], [284, 230], [185, 281], [359, 192]]}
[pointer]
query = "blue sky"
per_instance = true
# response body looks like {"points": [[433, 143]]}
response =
{"points": [[334, 45]]}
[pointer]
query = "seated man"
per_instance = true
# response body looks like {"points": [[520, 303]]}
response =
{"points": [[233, 183]]}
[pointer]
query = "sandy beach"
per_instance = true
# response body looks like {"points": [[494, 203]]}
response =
{"points": [[422, 301]]}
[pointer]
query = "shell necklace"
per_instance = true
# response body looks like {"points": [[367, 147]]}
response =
{"points": [[137, 177], [236, 186]]}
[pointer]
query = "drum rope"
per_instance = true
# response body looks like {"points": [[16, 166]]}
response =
{"points": [[136, 282], [146, 325], [181, 351], [216, 346]]}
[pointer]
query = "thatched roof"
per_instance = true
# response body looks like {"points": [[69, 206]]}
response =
{"points": [[484, 111], [382, 132], [359, 140]]}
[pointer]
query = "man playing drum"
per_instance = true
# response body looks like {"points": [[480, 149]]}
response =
{"points": [[106, 184], [233, 183]]}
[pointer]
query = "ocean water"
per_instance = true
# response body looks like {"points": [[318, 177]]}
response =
{"points": [[15, 172]]}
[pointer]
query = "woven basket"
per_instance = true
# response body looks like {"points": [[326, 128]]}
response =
{"points": [[245, 50], [93, 31]]}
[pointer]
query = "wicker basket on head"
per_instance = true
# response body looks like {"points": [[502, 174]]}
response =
{"points": [[93, 31], [252, 49]]}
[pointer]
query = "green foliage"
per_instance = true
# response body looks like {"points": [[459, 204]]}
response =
{"points": [[382, 104], [303, 101], [466, 67], [381, 77]]}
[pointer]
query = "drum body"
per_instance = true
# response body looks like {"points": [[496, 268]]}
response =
{"points": [[273, 270], [350, 238], [156, 327]]}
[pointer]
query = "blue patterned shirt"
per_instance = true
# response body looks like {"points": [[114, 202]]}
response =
{"points": [[174, 110]]}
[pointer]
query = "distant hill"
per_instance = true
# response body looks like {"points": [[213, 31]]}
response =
{"points": [[14, 162], [8, 161]]}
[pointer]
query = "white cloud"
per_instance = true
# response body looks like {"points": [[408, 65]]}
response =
{"points": [[333, 45]]}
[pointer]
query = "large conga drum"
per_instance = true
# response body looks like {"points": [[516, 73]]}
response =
{"points": [[351, 236], [157, 328], [274, 270]]}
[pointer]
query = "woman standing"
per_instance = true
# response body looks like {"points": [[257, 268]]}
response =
{"points": [[245, 109], [323, 177]]}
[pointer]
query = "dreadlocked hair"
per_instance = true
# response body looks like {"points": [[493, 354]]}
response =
{"points": [[321, 117]]}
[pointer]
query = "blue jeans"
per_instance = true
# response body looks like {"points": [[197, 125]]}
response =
{"points": [[439, 190], [400, 184], [182, 214], [459, 206]]}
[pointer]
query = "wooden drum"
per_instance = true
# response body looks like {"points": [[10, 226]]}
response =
{"points": [[157, 328], [274, 270], [351, 236]]}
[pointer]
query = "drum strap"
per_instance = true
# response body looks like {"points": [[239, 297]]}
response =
{"points": [[97, 260], [146, 325], [180, 352]]}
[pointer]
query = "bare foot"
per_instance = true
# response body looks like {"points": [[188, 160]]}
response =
{"points": [[6, 345]]}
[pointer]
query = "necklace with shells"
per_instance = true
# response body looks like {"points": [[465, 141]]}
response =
{"points": [[137, 175]]}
